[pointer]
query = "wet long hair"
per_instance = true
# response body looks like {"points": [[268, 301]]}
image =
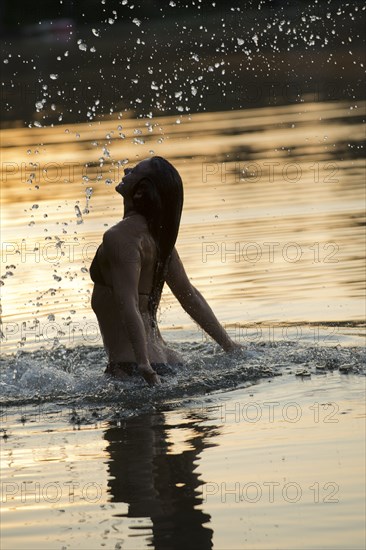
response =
{"points": [[159, 198]]}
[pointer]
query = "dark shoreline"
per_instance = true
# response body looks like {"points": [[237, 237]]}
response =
{"points": [[309, 59]]}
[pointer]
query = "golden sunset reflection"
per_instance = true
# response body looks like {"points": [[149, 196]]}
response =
{"points": [[271, 229]]}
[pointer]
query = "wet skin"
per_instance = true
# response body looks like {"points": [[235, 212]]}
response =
{"points": [[127, 259]]}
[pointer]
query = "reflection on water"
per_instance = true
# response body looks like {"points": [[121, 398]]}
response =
{"points": [[159, 481], [272, 228], [277, 465], [128, 484]]}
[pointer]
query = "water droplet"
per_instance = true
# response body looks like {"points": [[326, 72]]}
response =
{"points": [[88, 194], [83, 47], [53, 76], [79, 216], [136, 21], [240, 41], [95, 32]]}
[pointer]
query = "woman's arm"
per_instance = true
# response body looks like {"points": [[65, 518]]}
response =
{"points": [[194, 303], [125, 267]]}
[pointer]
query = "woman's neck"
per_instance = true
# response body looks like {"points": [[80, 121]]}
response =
{"points": [[129, 210], [131, 213]]}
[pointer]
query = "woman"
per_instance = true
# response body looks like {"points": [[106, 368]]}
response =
{"points": [[132, 264]]}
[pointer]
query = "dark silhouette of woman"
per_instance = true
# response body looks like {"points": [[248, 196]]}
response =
{"points": [[159, 484], [137, 256]]}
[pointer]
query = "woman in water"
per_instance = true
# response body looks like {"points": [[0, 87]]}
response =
{"points": [[137, 256]]}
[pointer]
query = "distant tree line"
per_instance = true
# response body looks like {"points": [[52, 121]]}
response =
{"points": [[15, 14]]}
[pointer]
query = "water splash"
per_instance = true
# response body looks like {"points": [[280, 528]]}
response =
{"points": [[77, 375], [88, 194], [79, 216]]}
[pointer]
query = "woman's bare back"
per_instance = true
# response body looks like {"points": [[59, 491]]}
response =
{"points": [[128, 244]]}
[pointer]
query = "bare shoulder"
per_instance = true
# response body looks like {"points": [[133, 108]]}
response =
{"points": [[120, 233], [121, 244]]}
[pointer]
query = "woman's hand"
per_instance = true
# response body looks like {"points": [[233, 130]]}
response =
{"points": [[233, 347], [148, 373]]}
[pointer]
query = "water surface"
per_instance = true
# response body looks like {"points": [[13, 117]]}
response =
{"points": [[272, 230], [263, 449], [275, 465]]}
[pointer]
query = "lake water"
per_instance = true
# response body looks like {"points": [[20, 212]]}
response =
{"points": [[272, 234], [272, 230]]}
